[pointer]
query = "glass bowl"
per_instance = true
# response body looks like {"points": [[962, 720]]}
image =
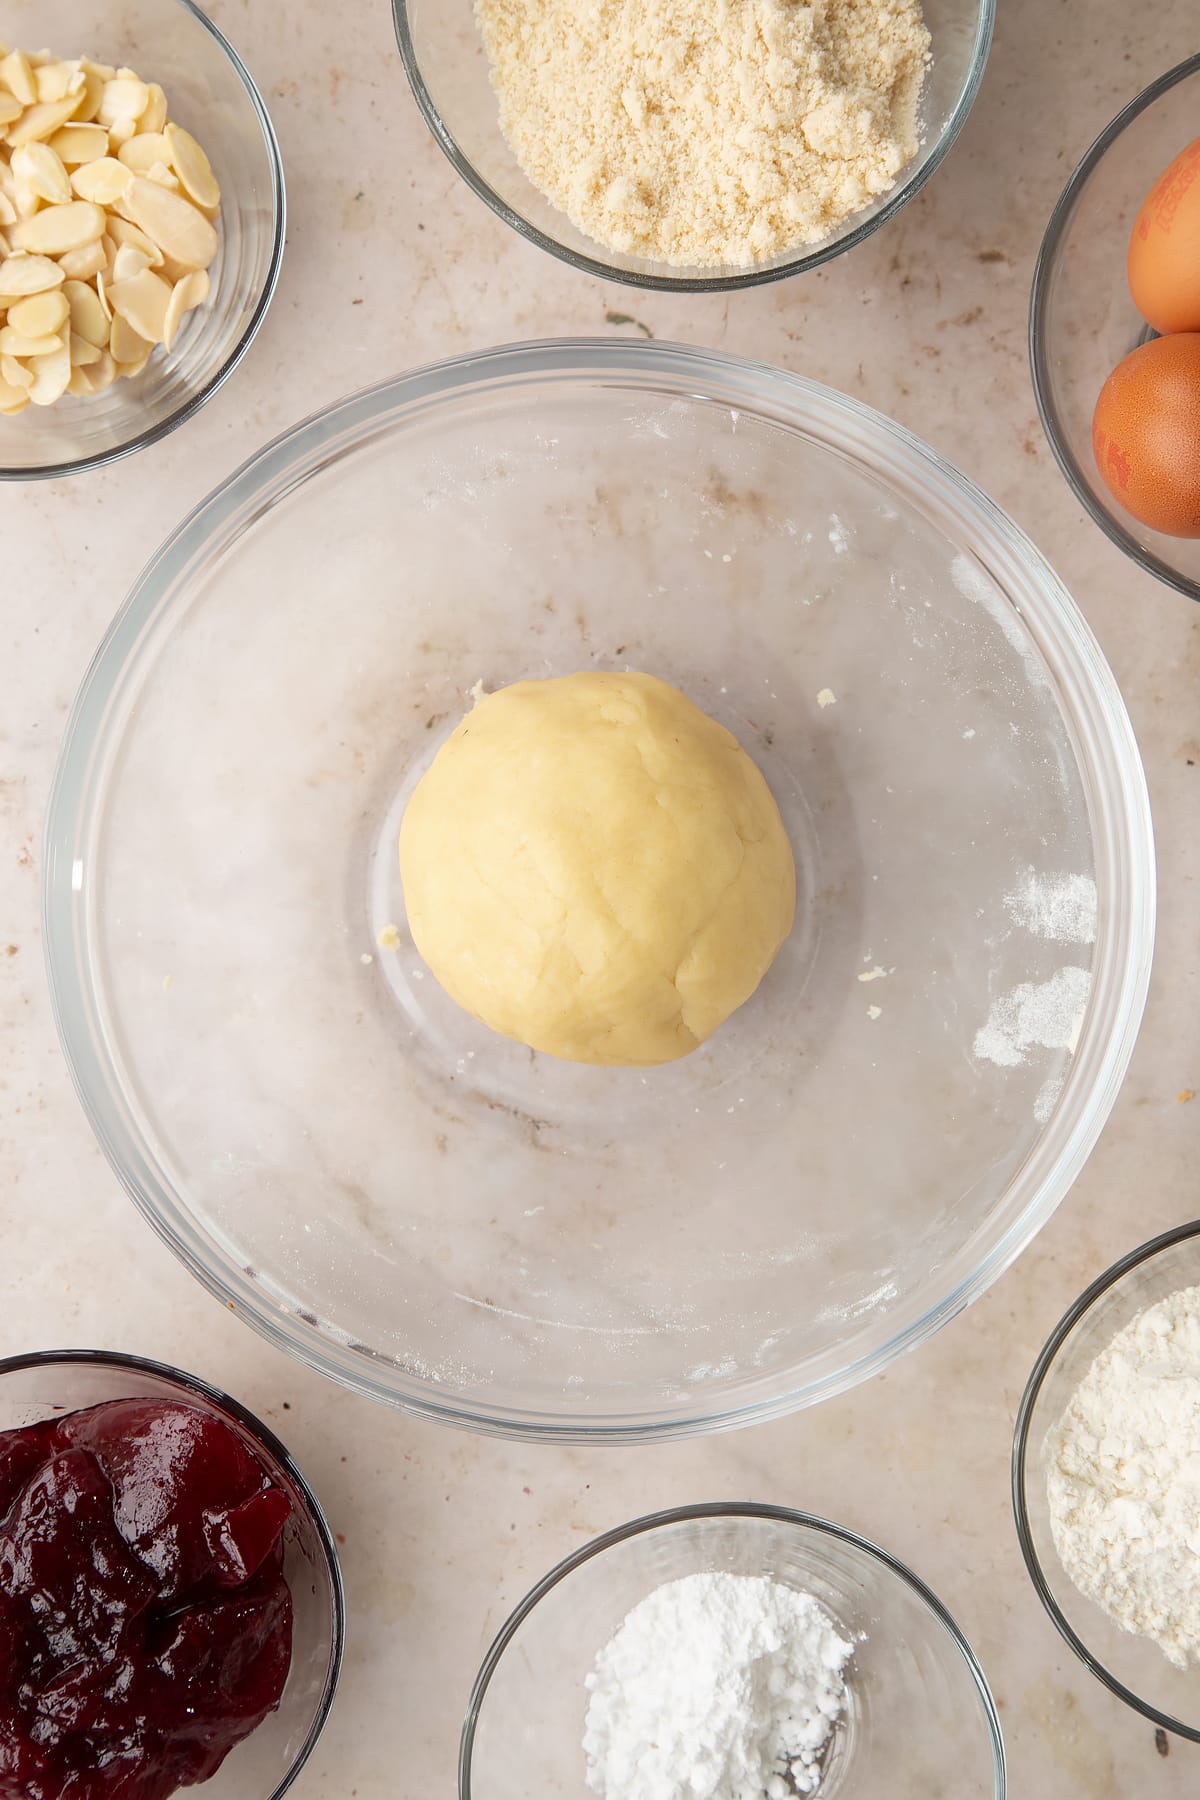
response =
{"points": [[430, 1212], [264, 1765], [1082, 319], [917, 1700], [211, 93], [1134, 1668], [444, 58]]}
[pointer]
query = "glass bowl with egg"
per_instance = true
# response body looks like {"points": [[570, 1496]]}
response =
{"points": [[594, 224], [1084, 323], [156, 1469], [439, 1216], [164, 99], [913, 1700], [1081, 1480]]}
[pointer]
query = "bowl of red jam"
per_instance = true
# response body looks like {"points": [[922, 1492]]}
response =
{"points": [[171, 1610]]}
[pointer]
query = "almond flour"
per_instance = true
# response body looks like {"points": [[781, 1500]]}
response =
{"points": [[705, 132]]}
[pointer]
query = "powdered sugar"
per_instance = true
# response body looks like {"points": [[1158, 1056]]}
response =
{"points": [[715, 1687], [1123, 1478]]}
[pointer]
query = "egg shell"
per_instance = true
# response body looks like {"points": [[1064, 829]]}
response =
{"points": [[1163, 263], [1146, 434]]}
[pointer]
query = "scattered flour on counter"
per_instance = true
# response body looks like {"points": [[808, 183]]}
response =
{"points": [[1123, 1478], [715, 1687], [1047, 1015], [1059, 907], [826, 697]]}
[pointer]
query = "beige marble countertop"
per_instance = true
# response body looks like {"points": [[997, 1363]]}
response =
{"points": [[442, 1532]]}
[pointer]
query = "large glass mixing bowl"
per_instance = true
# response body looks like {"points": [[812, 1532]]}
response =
{"points": [[433, 1214]]}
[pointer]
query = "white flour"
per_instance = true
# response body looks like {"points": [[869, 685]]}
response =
{"points": [[1123, 1478], [715, 1687], [1044, 1014], [1059, 907]]}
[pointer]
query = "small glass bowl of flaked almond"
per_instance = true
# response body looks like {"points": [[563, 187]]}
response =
{"points": [[141, 229]]}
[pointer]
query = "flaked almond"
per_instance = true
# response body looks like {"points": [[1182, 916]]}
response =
{"points": [[15, 372], [124, 97], [141, 301], [78, 144], [83, 351], [102, 181], [186, 294], [15, 343], [21, 275], [62, 228], [16, 74], [41, 315], [180, 229], [40, 169], [192, 167], [80, 265], [51, 374], [88, 318], [127, 343], [145, 149], [42, 121], [155, 115]]}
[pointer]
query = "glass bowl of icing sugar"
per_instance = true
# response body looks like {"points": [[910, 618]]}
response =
{"points": [[1106, 1479], [724, 1650]]}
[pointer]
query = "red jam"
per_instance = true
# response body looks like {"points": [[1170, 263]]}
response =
{"points": [[145, 1623]]}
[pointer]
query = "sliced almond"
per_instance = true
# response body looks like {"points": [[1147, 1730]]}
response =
{"points": [[80, 384], [20, 275], [88, 318], [55, 80], [83, 351], [141, 301], [124, 97], [126, 343], [164, 176], [51, 376], [104, 373], [12, 399], [10, 108], [121, 132], [41, 315], [145, 149], [63, 228], [42, 121], [80, 265], [8, 212], [15, 373], [15, 343], [102, 181], [128, 262], [16, 74], [103, 71], [40, 169], [90, 95], [78, 144], [124, 231], [192, 291], [192, 167], [178, 228], [155, 115]]}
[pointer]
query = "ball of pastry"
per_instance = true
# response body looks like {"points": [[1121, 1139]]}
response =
{"points": [[596, 868]]}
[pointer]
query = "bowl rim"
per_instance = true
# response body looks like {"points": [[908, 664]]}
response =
{"points": [[1091, 1295], [1037, 337], [726, 1509], [795, 402], [276, 1452], [812, 258], [154, 434]]}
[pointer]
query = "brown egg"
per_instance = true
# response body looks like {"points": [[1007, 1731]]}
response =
{"points": [[1163, 264], [1146, 434]]}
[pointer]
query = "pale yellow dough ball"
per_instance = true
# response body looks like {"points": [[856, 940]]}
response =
{"points": [[596, 868]]}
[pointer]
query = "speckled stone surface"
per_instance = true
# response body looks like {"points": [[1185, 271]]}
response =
{"points": [[391, 262]]}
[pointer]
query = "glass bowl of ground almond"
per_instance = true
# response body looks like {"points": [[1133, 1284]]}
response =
{"points": [[1106, 1478], [689, 146], [141, 226], [730, 1649]]}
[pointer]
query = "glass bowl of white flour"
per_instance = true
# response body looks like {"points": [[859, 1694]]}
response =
{"points": [[669, 144], [721, 1651], [1106, 1479]]}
